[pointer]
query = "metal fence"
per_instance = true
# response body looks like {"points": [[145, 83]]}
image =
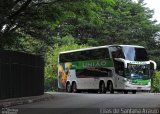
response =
{"points": [[21, 74]]}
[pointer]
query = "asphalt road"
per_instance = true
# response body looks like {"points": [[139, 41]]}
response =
{"points": [[79, 103]]}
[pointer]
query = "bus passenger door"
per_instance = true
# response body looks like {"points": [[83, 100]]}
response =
{"points": [[119, 83], [119, 74]]}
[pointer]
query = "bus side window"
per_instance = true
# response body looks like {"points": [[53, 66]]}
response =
{"points": [[62, 58], [88, 55], [80, 56], [116, 52], [65, 57], [106, 52], [119, 68], [84, 55], [101, 53]]}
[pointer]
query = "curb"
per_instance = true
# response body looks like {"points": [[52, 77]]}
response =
{"points": [[24, 100]]}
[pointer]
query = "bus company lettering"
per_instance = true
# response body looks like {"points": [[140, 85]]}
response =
{"points": [[91, 64]]}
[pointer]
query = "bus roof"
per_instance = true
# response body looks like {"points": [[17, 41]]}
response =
{"points": [[105, 46], [131, 46]]}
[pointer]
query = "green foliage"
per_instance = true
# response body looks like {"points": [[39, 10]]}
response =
{"points": [[28, 44], [156, 82], [154, 54], [127, 22], [84, 21], [50, 84], [66, 40], [19, 17], [40, 18]]}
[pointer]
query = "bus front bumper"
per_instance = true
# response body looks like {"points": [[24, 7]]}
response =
{"points": [[137, 87]]}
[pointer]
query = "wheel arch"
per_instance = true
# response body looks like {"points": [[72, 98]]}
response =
{"points": [[68, 82]]}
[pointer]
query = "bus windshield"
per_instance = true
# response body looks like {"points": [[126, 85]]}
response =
{"points": [[135, 54], [135, 71]]}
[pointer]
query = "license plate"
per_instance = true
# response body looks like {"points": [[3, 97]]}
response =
{"points": [[139, 88]]}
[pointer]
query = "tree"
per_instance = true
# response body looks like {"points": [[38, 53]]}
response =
{"points": [[19, 17], [116, 22], [83, 22], [37, 18], [127, 22], [156, 82]]}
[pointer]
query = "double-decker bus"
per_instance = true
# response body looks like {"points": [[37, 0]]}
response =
{"points": [[105, 68]]}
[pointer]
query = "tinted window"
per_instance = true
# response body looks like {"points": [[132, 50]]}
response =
{"points": [[101, 53], [119, 68], [116, 52], [64, 57], [135, 54], [93, 72]]}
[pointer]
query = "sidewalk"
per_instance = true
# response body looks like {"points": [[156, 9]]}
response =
{"points": [[24, 100]]}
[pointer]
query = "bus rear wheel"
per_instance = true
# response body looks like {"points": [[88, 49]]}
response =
{"points": [[110, 87], [134, 91], [74, 87], [68, 87], [125, 91], [102, 88]]}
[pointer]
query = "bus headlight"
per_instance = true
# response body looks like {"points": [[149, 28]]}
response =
{"points": [[149, 83]]}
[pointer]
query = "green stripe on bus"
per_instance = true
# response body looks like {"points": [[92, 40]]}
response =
{"points": [[92, 64], [140, 82]]}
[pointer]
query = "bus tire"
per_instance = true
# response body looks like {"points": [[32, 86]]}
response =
{"points": [[102, 88], [134, 91], [110, 87], [74, 87], [68, 87], [125, 91]]}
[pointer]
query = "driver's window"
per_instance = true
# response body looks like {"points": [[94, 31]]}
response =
{"points": [[119, 68]]}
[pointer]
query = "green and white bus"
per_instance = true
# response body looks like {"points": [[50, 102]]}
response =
{"points": [[105, 68]]}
